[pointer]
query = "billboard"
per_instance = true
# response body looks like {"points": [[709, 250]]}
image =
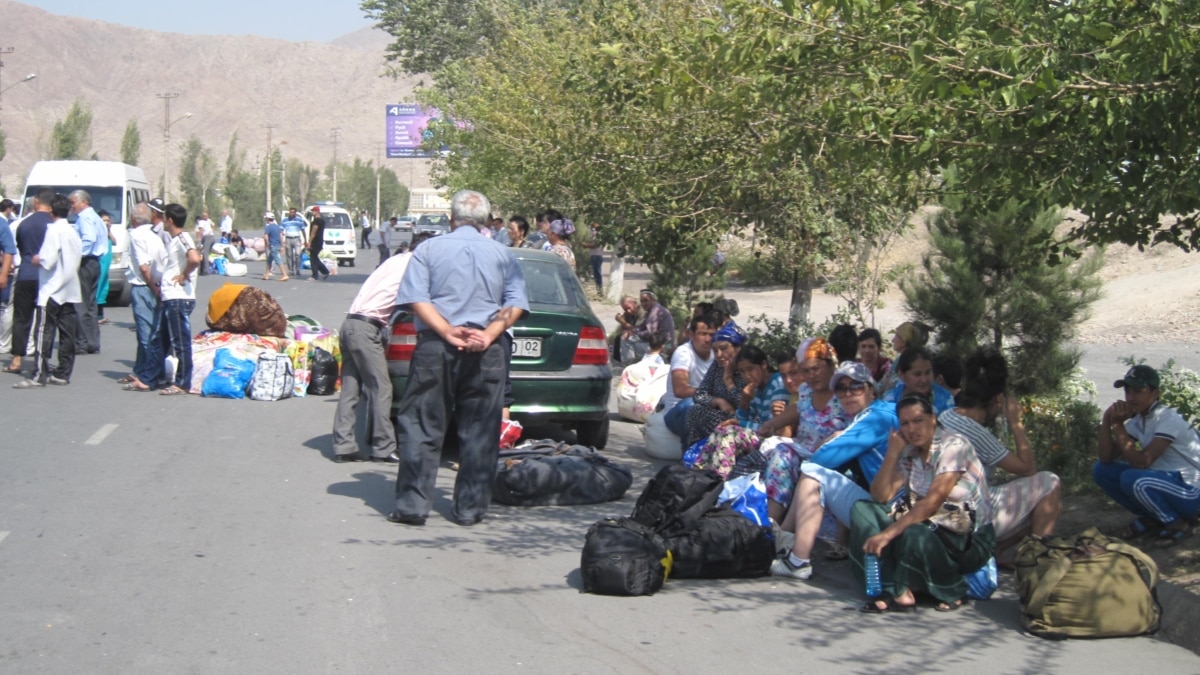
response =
{"points": [[407, 129]]}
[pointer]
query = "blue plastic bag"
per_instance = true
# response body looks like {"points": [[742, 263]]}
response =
{"points": [[748, 496], [229, 377], [983, 582], [692, 454], [305, 263], [218, 266]]}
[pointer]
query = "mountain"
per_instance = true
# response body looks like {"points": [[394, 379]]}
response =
{"points": [[230, 84]]}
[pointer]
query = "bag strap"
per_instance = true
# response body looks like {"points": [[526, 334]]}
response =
{"points": [[1051, 579], [1143, 561]]}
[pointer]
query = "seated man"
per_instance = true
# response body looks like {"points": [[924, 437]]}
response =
{"points": [[689, 363], [821, 485], [635, 339], [1149, 460]]}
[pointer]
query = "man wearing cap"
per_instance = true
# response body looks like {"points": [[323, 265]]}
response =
{"points": [[636, 340], [94, 236], [295, 238], [316, 242], [1149, 460], [823, 485], [157, 221], [466, 291], [273, 233]]}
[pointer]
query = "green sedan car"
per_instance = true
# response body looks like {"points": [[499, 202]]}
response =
{"points": [[560, 361]]}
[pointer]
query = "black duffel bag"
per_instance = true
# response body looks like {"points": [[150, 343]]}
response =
{"points": [[546, 473], [676, 498], [723, 544], [622, 557]]}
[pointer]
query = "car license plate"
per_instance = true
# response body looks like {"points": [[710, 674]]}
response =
{"points": [[529, 348]]}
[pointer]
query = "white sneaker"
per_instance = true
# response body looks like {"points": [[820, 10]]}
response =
{"points": [[783, 568]]}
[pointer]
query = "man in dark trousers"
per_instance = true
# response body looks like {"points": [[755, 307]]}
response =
{"points": [[93, 234], [466, 291], [30, 234], [316, 241]]}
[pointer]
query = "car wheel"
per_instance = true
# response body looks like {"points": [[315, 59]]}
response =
{"points": [[122, 299], [593, 433]]}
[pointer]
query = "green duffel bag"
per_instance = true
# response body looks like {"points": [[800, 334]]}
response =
{"points": [[1086, 586]]}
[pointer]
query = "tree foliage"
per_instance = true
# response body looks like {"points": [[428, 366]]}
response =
{"points": [[244, 192], [131, 144], [198, 176], [71, 137], [981, 287]]}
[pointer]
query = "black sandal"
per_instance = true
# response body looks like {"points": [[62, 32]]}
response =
{"points": [[950, 607], [889, 605]]}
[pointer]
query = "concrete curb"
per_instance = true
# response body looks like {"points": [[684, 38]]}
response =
{"points": [[1181, 616]]}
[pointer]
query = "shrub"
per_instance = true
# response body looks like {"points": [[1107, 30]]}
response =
{"points": [[1062, 433], [760, 267], [774, 336]]}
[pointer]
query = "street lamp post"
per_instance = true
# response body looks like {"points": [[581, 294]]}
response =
{"points": [[269, 174], [167, 153], [19, 82]]}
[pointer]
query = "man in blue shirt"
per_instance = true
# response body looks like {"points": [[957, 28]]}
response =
{"points": [[31, 232], [273, 233], [466, 291], [94, 236], [295, 238], [8, 248]]}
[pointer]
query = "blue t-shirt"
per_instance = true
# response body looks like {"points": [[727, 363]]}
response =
{"points": [[30, 235], [274, 234], [866, 439], [7, 243], [943, 400]]}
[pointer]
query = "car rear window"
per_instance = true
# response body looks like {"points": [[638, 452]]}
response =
{"points": [[548, 283]]}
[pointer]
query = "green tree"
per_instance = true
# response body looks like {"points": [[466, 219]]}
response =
{"points": [[198, 176], [301, 181], [982, 287], [71, 137], [131, 144], [428, 34], [244, 191]]}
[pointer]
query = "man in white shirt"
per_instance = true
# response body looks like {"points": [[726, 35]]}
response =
{"points": [[226, 224], [147, 261], [205, 238], [689, 363], [58, 294], [364, 341], [177, 299]]}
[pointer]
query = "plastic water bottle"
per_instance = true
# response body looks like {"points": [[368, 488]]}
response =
{"points": [[874, 583]]}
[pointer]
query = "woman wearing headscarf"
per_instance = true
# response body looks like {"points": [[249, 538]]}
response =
{"points": [[560, 240], [732, 449], [720, 393]]}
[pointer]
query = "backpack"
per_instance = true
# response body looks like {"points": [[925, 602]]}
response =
{"points": [[723, 544], [622, 557], [1086, 586], [274, 378], [558, 474], [676, 498]]}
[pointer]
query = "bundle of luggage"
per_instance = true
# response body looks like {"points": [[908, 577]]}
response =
{"points": [[677, 529], [255, 351], [549, 473]]}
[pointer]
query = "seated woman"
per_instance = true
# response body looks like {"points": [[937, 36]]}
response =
{"points": [[1149, 460], [736, 440], [720, 392], [870, 354], [816, 416], [906, 335], [915, 368], [1029, 503], [824, 485], [946, 486], [844, 340]]}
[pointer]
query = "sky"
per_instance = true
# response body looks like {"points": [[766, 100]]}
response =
{"points": [[297, 20]]}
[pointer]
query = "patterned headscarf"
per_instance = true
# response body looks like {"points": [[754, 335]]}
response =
{"points": [[562, 228], [816, 348], [732, 334]]}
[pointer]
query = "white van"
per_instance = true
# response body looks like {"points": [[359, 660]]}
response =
{"points": [[341, 235], [115, 188]]}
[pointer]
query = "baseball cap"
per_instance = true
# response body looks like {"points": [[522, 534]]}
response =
{"points": [[157, 205], [851, 370], [1139, 377], [269, 215], [316, 209]]}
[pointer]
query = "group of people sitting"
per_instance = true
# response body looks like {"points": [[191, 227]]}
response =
{"points": [[897, 459]]}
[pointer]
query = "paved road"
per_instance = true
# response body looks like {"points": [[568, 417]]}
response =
{"points": [[161, 535]]}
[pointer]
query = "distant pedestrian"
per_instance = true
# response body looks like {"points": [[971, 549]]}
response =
{"points": [[177, 299], [384, 240], [103, 288], [596, 254], [316, 242], [226, 225], [94, 237], [273, 233], [205, 238], [295, 238], [58, 294], [366, 230], [465, 292]]}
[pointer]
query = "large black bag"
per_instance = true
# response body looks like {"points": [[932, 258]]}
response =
{"points": [[324, 373], [558, 474], [622, 557], [676, 498], [724, 544]]}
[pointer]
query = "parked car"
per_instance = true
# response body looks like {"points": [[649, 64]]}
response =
{"points": [[405, 223], [434, 223], [560, 361], [114, 187], [341, 235]]}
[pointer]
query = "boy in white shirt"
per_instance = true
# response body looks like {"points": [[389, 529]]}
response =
{"points": [[177, 299], [58, 293]]}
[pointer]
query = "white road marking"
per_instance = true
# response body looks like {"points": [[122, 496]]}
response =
{"points": [[101, 434], [2, 536]]}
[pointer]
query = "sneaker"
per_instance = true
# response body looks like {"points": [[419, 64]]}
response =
{"points": [[28, 384], [57, 381], [783, 568]]}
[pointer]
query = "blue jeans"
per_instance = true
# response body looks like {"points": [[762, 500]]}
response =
{"points": [[597, 264], [1144, 492], [676, 419], [173, 335], [144, 306], [273, 258]]}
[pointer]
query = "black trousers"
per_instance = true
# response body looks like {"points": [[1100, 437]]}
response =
{"points": [[444, 383], [24, 302], [50, 320], [315, 263], [88, 339]]}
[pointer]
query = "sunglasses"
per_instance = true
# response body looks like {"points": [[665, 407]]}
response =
{"points": [[852, 388]]}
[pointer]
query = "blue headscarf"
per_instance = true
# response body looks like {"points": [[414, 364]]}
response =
{"points": [[732, 334]]}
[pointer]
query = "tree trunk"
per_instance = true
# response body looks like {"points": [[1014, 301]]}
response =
{"points": [[616, 279], [802, 290]]}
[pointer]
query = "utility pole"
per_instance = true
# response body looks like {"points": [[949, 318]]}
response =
{"points": [[337, 134], [3, 52], [166, 99], [270, 151], [378, 174]]}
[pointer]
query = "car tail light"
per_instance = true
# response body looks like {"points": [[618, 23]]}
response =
{"points": [[593, 347], [403, 342]]}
